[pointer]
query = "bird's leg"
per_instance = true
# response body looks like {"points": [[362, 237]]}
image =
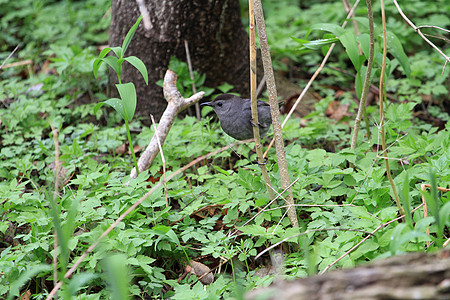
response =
{"points": [[259, 124], [263, 163]]}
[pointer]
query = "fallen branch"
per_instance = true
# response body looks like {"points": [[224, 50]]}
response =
{"points": [[176, 103]]}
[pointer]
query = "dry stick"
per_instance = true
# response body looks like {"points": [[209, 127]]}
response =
{"points": [[424, 202], [9, 56], [55, 195], [145, 15], [364, 239], [163, 161], [272, 90], [432, 26], [366, 86], [382, 98], [308, 85], [191, 73], [417, 29], [133, 207], [253, 96], [176, 103]]}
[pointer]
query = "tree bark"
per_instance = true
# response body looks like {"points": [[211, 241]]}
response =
{"points": [[217, 40], [412, 276]]}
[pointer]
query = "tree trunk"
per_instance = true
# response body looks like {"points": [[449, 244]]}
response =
{"points": [[412, 276], [218, 45]]}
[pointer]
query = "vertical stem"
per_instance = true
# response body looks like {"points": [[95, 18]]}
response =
{"points": [[278, 134], [130, 142], [366, 86], [258, 145], [382, 96]]}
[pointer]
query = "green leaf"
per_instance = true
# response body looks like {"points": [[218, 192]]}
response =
{"points": [[24, 277], [396, 48], [173, 237], [333, 28], [97, 107], [63, 239], [138, 64], [364, 42], [129, 36], [117, 276], [118, 51], [116, 104], [348, 40], [318, 44], [404, 197], [127, 92], [112, 62], [104, 52], [79, 281], [444, 215]]}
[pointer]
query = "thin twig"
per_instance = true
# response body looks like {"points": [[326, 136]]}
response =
{"points": [[145, 15], [176, 103], [191, 73], [253, 97], [382, 98], [55, 196], [9, 56], [275, 112], [261, 85], [417, 29], [163, 161], [366, 86]]}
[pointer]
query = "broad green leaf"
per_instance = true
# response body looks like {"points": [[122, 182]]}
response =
{"points": [[112, 62], [104, 52], [97, 63], [127, 92], [396, 48], [138, 64], [117, 51], [364, 42], [117, 105], [318, 44], [162, 228], [129, 36], [348, 40], [333, 28]]}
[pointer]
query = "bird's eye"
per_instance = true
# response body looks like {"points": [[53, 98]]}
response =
{"points": [[219, 104]]}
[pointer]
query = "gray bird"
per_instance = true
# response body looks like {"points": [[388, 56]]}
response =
{"points": [[235, 116]]}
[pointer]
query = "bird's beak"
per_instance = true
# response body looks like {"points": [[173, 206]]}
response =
{"points": [[206, 104]]}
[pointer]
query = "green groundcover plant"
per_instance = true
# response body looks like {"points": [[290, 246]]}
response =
{"points": [[219, 209]]}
